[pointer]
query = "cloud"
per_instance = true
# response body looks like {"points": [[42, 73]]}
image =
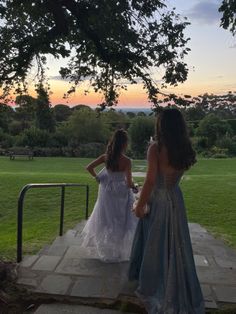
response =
{"points": [[205, 12], [58, 78], [122, 81]]}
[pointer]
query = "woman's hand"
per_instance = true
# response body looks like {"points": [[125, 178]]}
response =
{"points": [[135, 188], [97, 179], [139, 211], [141, 207]]}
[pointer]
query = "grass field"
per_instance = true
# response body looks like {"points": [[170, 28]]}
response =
{"points": [[209, 191]]}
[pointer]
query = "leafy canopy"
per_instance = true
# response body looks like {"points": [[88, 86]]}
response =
{"points": [[228, 20], [109, 42]]}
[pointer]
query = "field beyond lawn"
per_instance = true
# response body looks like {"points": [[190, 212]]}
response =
{"points": [[209, 191]]}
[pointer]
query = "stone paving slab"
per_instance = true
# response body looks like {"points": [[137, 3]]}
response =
{"points": [[29, 260], [46, 263], [210, 303], [57, 250], [225, 293], [67, 240], [218, 276], [200, 260], [79, 227], [73, 309], [66, 269], [97, 287], [90, 267], [225, 262], [75, 251], [28, 282], [54, 284]]}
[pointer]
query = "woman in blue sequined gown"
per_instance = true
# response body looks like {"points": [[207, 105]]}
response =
{"points": [[111, 226], [162, 257]]}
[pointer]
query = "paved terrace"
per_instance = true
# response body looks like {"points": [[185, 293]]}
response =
{"points": [[65, 272]]}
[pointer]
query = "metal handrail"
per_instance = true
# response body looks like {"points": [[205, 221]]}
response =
{"points": [[21, 205]]}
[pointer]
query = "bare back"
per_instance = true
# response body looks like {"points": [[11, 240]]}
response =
{"points": [[123, 163], [169, 174]]}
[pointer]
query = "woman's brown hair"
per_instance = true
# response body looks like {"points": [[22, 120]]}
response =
{"points": [[171, 132], [115, 148]]}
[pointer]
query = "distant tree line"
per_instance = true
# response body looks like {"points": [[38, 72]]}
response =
{"points": [[80, 131]]}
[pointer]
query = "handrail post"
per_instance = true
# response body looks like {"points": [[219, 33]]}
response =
{"points": [[20, 223], [21, 204], [19, 232], [87, 201], [62, 209]]}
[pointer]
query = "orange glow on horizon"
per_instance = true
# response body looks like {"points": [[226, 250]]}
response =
{"points": [[134, 97]]}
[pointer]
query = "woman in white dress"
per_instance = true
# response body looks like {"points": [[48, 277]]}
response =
{"points": [[111, 226]]}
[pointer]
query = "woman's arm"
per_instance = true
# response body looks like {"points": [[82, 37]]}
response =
{"points": [[90, 167], [149, 180], [128, 172]]}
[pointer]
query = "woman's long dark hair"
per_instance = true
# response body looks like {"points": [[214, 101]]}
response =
{"points": [[171, 132], [114, 149]]}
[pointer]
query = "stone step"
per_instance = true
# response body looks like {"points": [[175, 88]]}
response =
{"points": [[79, 227], [71, 237], [58, 308], [66, 272]]}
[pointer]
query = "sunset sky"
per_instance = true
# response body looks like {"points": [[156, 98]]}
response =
{"points": [[211, 61]]}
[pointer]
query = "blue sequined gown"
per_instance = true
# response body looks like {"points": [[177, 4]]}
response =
{"points": [[162, 258], [111, 227]]}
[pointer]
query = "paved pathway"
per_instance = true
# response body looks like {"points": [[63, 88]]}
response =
{"points": [[139, 174], [65, 271], [73, 309]]}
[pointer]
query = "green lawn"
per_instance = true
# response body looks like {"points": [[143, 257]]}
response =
{"points": [[209, 190], [210, 193]]}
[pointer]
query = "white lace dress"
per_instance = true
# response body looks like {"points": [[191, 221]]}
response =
{"points": [[111, 226]]}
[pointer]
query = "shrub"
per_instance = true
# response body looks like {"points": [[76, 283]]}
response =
{"points": [[20, 149], [61, 112], [228, 143], [232, 123], [213, 128], [67, 151], [91, 150], [58, 139], [219, 155], [6, 140], [216, 152], [35, 137], [86, 127], [191, 129], [18, 140], [47, 151], [16, 127], [2, 152], [140, 131], [200, 143]]}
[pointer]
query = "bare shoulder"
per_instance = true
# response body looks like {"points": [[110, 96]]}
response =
{"points": [[126, 160]]}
